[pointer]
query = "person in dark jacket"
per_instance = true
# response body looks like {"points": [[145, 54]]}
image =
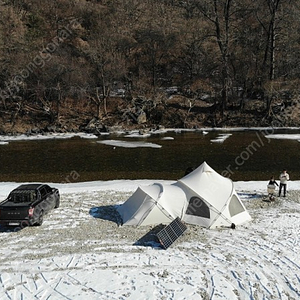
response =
{"points": [[273, 181]]}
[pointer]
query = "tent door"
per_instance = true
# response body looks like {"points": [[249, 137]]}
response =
{"points": [[197, 207]]}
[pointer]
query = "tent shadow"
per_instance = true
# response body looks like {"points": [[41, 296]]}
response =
{"points": [[107, 213], [150, 238]]}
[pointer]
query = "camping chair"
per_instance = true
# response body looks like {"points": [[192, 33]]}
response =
{"points": [[271, 191]]}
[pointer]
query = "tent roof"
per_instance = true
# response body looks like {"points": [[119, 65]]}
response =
{"points": [[208, 184]]}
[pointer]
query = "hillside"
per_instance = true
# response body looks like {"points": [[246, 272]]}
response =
{"points": [[142, 64]]}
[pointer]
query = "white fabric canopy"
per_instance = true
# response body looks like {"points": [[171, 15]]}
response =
{"points": [[203, 197], [153, 204]]}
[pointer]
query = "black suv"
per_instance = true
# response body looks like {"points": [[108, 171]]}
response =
{"points": [[27, 204]]}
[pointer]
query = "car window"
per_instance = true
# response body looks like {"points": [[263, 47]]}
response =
{"points": [[48, 189], [43, 192], [22, 196]]}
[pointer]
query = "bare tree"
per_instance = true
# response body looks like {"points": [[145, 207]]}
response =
{"points": [[272, 21], [269, 23], [220, 14]]}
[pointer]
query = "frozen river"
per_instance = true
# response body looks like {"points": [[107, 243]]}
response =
{"points": [[240, 155]]}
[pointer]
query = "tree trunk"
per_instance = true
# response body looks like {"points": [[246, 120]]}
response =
{"points": [[58, 101], [105, 92], [270, 52], [223, 43]]}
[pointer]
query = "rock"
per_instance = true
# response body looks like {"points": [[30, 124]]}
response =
{"points": [[34, 130], [51, 128], [95, 126], [142, 118]]}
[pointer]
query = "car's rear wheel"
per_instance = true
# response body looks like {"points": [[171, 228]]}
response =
{"points": [[40, 219], [57, 203]]}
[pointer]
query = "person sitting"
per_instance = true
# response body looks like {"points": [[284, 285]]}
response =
{"points": [[271, 188]]}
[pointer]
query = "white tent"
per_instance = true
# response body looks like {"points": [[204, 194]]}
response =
{"points": [[212, 199], [202, 197], [154, 204]]}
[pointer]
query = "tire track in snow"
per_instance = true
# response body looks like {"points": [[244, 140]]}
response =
{"points": [[262, 265], [7, 285], [48, 287]]}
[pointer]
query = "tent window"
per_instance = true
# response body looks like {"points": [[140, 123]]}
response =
{"points": [[197, 207], [235, 206]]}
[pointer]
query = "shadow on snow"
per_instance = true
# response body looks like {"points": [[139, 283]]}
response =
{"points": [[110, 213], [107, 213]]}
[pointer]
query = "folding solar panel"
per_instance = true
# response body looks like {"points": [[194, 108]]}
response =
{"points": [[168, 235]]}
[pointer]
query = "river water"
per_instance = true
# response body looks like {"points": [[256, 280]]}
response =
{"points": [[244, 155]]}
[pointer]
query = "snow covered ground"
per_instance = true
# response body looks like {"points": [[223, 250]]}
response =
{"points": [[80, 252]]}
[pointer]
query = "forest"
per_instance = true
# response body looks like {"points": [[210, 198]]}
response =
{"points": [[77, 64]]}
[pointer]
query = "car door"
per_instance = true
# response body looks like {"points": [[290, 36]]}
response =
{"points": [[51, 196], [48, 198]]}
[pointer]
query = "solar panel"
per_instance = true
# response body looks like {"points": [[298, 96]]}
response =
{"points": [[168, 235]]}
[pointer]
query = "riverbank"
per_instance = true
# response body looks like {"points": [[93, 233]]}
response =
{"points": [[176, 111]]}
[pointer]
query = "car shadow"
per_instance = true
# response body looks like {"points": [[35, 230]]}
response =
{"points": [[4, 228], [107, 213]]}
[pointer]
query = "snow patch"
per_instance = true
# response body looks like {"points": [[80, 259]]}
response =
{"points": [[125, 144]]}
